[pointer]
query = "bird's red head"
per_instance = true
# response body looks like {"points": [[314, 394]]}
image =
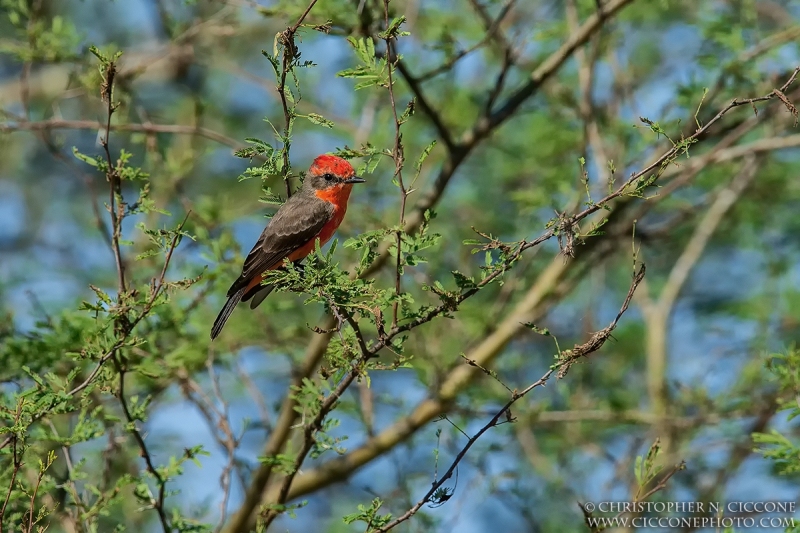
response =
{"points": [[331, 178], [333, 164]]}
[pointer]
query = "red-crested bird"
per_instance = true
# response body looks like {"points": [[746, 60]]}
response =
{"points": [[312, 214]]}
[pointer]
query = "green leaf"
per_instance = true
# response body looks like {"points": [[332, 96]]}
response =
{"points": [[93, 161], [314, 118]]}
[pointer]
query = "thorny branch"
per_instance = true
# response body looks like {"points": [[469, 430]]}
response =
{"points": [[125, 329], [160, 286], [161, 482], [123, 324], [566, 359], [315, 425]]}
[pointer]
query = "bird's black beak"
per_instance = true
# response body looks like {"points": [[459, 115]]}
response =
{"points": [[355, 179]]}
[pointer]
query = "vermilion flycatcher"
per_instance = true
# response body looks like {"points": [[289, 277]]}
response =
{"points": [[312, 214]]}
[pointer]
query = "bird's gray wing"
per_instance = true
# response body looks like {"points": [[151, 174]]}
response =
{"points": [[297, 221]]}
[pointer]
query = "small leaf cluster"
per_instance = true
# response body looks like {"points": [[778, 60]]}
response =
{"points": [[369, 515], [775, 445], [36, 39]]}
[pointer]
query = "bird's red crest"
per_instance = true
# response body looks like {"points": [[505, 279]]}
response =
{"points": [[333, 164]]}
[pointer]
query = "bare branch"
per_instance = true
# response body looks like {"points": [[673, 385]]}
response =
{"points": [[59, 124], [545, 70]]}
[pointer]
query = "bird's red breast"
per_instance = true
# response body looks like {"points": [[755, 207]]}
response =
{"points": [[338, 195]]}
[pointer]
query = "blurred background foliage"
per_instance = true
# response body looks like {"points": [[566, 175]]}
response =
{"points": [[527, 127]]}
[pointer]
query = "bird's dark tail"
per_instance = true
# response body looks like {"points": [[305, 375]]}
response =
{"points": [[226, 311]]}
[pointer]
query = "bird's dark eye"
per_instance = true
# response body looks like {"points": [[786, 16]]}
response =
{"points": [[329, 177]]}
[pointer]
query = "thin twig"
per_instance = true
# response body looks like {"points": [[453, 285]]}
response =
{"points": [[290, 54], [500, 39], [256, 395], [116, 207], [399, 160], [32, 506], [229, 442], [122, 326], [161, 482], [70, 479]]}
